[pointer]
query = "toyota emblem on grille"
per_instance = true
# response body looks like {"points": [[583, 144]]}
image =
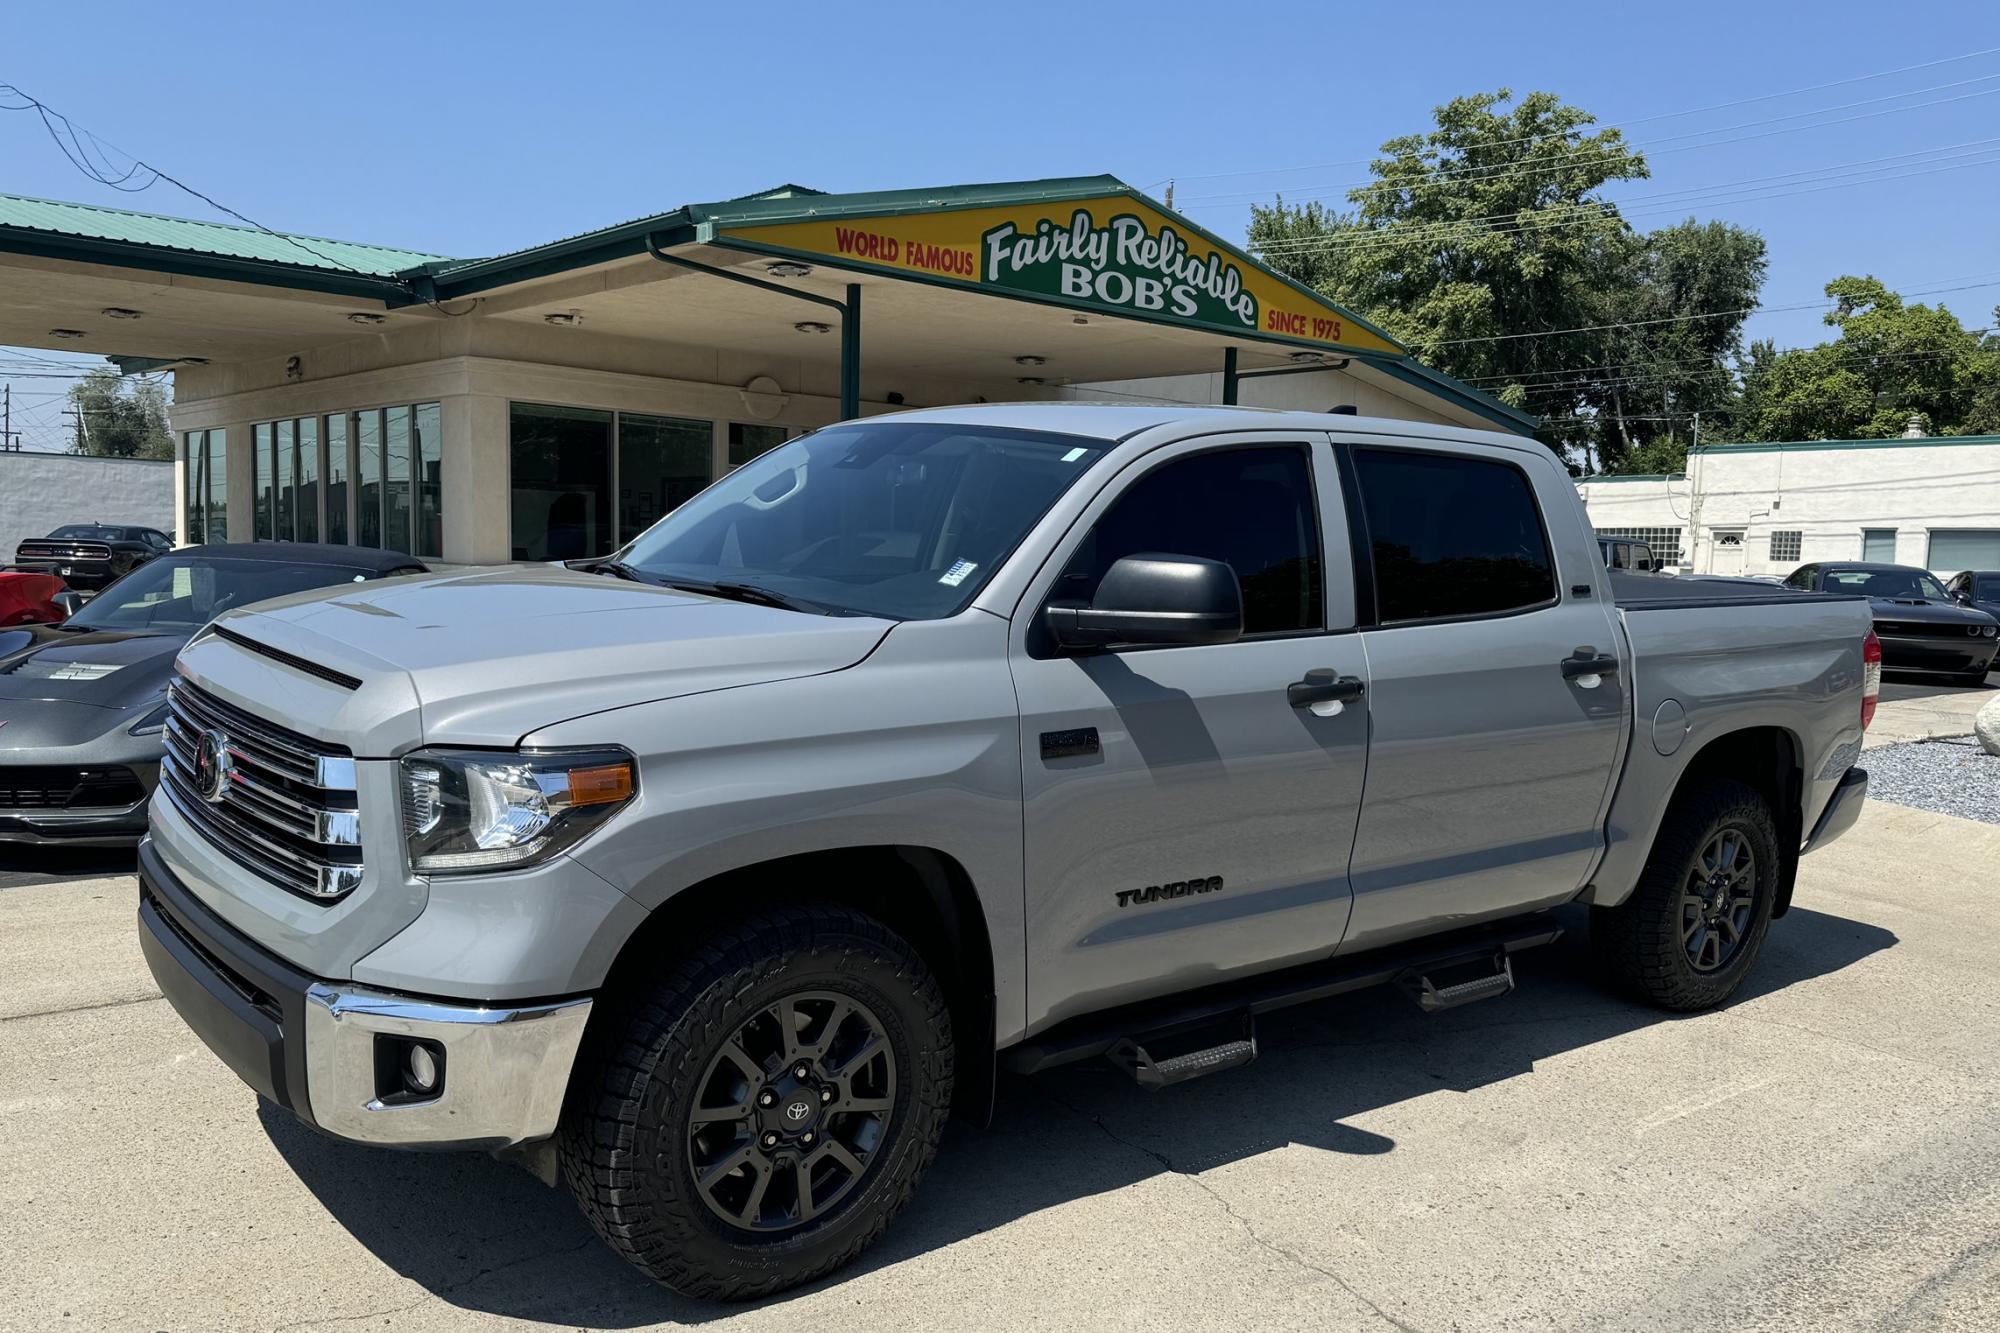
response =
{"points": [[211, 766]]}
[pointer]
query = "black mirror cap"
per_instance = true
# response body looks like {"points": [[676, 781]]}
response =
{"points": [[69, 600], [1155, 600]]}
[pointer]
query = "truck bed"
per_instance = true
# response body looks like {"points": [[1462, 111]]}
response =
{"points": [[1665, 592]]}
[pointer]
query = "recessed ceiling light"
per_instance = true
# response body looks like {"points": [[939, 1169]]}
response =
{"points": [[118, 312], [1030, 379], [366, 317], [1031, 361], [65, 333], [564, 319], [812, 326], [788, 269], [1304, 358]]}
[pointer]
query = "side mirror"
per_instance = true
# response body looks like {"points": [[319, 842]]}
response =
{"points": [[1154, 601], [69, 601]]}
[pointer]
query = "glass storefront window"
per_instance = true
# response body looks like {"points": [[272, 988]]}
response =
{"points": [[286, 445], [260, 479], [747, 442], [662, 462], [206, 460], [430, 489], [308, 511], [368, 478], [561, 481], [396, 479], [336, 479]]}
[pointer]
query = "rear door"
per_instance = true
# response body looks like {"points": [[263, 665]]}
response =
{"points": [[1184, 821], [1496, 691]]}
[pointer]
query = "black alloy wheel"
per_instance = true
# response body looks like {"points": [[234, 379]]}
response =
{"points": [[791, 1111], [1718, 901]]}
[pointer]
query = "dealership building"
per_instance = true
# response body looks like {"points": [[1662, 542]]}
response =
{"points": [[1930, 501], [552, 402]]}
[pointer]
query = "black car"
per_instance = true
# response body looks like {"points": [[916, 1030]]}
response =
{"points": [[90, 555], [1921, 627], [83, 703], [1978, 589]]}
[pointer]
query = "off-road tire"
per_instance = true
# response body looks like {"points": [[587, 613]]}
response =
{"points": [[623, 1139], [1640, 944]]}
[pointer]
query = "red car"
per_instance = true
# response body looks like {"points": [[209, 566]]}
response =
{"points": [[30, 598]]}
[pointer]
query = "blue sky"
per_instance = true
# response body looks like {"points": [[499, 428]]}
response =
{"points": [[478, 128]]}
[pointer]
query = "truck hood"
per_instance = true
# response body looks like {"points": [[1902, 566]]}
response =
{"points": [[487, 656]]}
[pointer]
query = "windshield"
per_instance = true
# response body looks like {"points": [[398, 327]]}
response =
{"points": [[1903, 583], [180, 594], [899, 519]]}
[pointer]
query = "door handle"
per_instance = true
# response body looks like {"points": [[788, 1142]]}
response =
{"points": [[1588, 668], [1323, 685]]}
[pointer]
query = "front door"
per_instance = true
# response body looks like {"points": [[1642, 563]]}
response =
{"points": [[1726, 550], [1185, 822], [1492, 751]]}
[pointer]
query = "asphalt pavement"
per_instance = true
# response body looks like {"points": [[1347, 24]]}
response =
{"points": [[1824, 1154]]}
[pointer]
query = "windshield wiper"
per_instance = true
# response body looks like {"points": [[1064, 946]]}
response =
{"points": [[620, 569], [750, 592]]}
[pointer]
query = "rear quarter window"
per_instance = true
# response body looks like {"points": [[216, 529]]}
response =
{"points": [[1452, 536]]}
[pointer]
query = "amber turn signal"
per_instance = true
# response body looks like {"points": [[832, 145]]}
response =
{"points": [[603, 785]]}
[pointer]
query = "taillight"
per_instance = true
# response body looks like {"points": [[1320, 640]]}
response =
{"points": [[1871, 677]]}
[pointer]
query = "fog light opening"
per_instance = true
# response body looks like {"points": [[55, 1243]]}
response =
{"points": [[408, 1070], [421, 1069]]}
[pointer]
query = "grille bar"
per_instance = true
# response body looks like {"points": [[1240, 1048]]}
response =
{"points": [[284, 805]]}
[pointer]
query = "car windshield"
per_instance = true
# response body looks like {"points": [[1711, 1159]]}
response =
{"points": [[92, 532], [899, 519], [1894, 583], [180, 594]]}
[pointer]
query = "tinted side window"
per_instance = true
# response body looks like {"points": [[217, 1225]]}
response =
{"points": [[1252, 509], [1802, 578], [1452, 536]]}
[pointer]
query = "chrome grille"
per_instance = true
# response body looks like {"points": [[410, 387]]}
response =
{"points": [[285, 807]]}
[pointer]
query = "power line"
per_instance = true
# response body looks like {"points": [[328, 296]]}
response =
{"points": [[72, 140], [1563, 162], [1636, 120], [1402, 233]]}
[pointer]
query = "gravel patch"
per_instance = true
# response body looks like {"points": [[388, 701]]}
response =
{"points": [[1946, 777]]}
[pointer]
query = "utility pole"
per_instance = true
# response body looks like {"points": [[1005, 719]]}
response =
{"points": [[1170, 196], [7, 440]]}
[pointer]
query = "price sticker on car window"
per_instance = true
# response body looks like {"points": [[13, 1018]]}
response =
{"points": [[958, 573]]}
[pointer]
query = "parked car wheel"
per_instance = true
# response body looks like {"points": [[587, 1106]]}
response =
{"points": [[1695, 924], [755, 1118]]}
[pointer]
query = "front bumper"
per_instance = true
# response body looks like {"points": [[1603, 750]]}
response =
{"points": [[332, 1053], [1955, 656], [1842, 809], [91, 826]]}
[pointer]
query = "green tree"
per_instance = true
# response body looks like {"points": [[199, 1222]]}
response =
{"points": [[120, 418], [1487, 246], [1890, 361]]}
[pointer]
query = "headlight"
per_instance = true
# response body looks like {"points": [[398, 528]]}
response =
{"points": [[466, 810], [153, 723]]}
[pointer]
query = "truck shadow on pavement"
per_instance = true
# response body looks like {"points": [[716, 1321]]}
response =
{"points": [[487, 1237]]}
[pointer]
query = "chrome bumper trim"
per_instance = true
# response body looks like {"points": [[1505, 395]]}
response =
{"points": [[505, 1069]]}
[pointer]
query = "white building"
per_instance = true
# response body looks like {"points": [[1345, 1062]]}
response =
{"points": [[1930, 501], [41, 492]]}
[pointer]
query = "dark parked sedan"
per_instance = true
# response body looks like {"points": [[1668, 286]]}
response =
{"points": [[1978, 589], [90, 555], [1921, 627], [83, 703]]}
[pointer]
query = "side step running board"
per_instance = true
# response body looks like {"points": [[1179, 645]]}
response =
{"points": [[1153, 1073], [1156, 1035], [1496, 979]]}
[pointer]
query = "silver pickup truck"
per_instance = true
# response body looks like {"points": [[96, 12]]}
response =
{"points": [[714, 876]]}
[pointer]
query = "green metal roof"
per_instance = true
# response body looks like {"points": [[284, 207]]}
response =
{"points": [[205, 238]]}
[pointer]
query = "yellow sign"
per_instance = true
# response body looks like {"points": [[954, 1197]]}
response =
{"points": [[1113, 254]]}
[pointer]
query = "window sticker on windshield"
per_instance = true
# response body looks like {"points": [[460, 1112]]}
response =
{"points": [[958, 573], [1074, 454], [183, 581]]}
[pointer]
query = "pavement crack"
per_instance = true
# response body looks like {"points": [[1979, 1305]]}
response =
{"points": [[80, 1008], [439, 1293], [1248, 1228]]}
